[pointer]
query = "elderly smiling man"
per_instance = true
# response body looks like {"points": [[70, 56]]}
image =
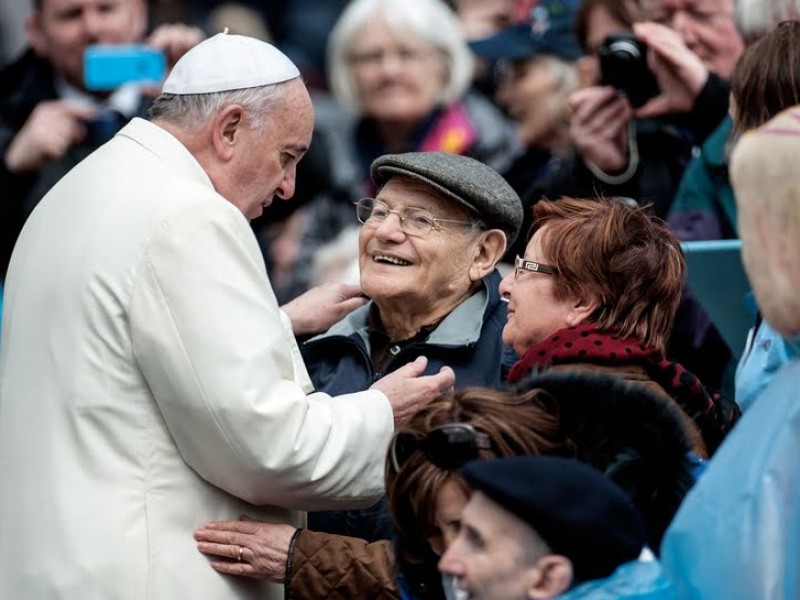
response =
{"points": [[427, 253]]}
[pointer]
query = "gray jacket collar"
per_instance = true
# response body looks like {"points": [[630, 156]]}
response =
{"points": [[462, 327]]}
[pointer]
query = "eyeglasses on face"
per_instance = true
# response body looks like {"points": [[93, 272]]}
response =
{"points": [[697, 15], [447, 446], [413, 221], [405, 55], [522, 265]]}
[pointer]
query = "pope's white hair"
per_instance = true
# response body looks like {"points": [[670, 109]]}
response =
{"points": [[192, 111]]}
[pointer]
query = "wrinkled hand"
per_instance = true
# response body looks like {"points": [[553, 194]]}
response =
{"points": [[265, 547], [598, 127], [48, 133], [408, 392], [680, 73], [322, 306]]}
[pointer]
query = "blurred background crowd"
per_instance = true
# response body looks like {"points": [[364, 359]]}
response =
{"points": [[515, 84], [612, 120]]}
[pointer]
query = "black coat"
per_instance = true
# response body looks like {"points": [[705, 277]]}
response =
{"points": [[24, 84]]}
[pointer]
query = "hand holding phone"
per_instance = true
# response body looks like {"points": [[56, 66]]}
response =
{"points": [[107, 67]]}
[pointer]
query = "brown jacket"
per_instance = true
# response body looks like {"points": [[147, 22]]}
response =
{"points": [[323, 565]]}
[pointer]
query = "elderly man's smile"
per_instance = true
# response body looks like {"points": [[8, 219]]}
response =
{"points": [[391, 260]]}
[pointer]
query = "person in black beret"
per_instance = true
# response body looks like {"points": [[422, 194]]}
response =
{"points": [[537, 525]]}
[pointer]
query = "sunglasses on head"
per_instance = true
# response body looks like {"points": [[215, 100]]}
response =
{"points": [[447, 446]]}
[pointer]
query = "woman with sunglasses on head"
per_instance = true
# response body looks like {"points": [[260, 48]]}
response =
{"points": [[636, 437], [597, 290]]}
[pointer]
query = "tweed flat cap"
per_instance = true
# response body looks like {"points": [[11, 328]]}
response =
{"points": [[466, 180], [577, 510]]}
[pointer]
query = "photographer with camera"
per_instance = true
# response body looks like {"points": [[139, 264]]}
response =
{"points": [[49, 120], [689, 46], [642, 151]]}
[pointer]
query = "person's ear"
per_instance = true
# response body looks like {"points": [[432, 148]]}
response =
{"points": [[489, 249], [552, 577], [138, 22], [580, 310], [226, 131], [36, 36]]}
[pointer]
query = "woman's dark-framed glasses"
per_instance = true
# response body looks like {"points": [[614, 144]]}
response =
{"points": [[448, 446], [521, 265], [413, 221]]}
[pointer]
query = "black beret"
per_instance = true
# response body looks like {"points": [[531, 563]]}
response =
{"points": [[466, 180], [577, 510]]}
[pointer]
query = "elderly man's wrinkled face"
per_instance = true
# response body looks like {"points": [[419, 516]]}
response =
{"points": [[706, 26], [62, 29], [416, 272], [494, 555], [398, 78]]}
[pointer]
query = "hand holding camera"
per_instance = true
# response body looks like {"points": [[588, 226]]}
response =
{"points": [[679, 72], [623, 66], [599, 126]]}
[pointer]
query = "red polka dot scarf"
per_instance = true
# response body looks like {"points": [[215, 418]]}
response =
{"points": [[714, 414]]}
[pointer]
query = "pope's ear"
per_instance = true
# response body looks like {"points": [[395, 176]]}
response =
{"points": [[226, 130], [489, 249]]}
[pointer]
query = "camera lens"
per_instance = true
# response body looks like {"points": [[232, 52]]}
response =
{"points": [[625, 50]]}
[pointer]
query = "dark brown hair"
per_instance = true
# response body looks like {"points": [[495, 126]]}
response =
{"points": [[620, 255], [766, 79]]}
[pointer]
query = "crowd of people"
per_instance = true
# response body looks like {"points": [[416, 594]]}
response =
{"points": [[390, 301]]}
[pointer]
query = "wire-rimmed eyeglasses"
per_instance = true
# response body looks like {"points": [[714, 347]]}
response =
{"points": [[447, 446], [522, 265], [413, 221]]}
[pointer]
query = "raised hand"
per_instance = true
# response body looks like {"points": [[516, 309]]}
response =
{"points": [[598, 127], [408, 391], [51, 129], [322, 306]]}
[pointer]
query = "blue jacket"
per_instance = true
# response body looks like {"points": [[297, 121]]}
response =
{"points": [[469, 340], [737, 533], [635, 580], [764, 356]]}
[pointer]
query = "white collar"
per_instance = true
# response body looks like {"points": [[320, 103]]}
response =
{"points": [[125, 99]]}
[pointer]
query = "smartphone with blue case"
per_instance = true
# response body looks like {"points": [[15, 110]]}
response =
{"points": [[107, 67]]}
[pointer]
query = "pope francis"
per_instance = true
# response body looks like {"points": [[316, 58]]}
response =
{"points": [[149, 382]]}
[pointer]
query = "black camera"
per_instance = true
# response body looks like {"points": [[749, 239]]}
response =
{"points": [[623, 65]]}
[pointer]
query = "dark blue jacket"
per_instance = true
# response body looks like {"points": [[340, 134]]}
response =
{"points": [[469, 340]]}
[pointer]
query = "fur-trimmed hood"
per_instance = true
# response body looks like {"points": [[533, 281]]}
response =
{"points": [[636, 437]]}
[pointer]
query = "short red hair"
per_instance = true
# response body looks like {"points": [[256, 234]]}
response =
{"points": [[617, 253]]}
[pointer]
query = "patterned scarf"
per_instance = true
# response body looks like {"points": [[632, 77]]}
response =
{"points": [[714, 414]]}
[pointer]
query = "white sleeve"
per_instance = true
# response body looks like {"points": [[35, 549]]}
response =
{"points": [[227, 376]]}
